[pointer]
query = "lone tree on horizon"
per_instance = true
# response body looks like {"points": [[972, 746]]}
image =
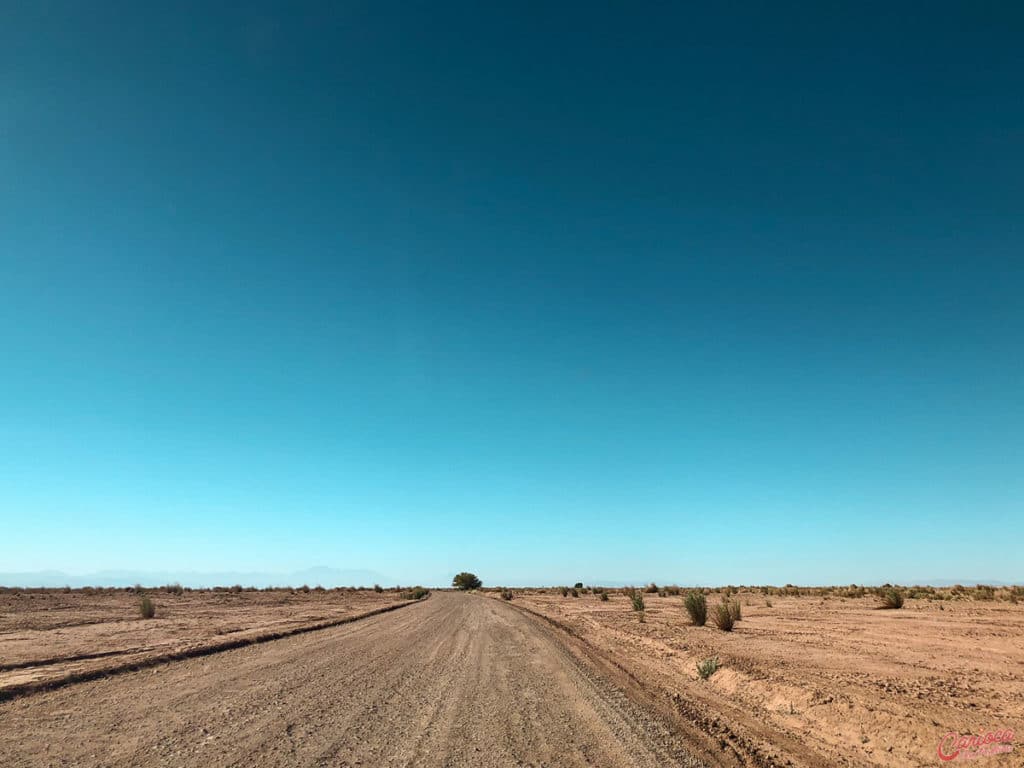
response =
{"points": [[466, 580]]}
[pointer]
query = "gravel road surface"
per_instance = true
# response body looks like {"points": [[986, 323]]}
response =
{"points": [[456, 680]]}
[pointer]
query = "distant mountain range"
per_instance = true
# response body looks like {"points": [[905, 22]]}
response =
{"points": [[322, 576]]}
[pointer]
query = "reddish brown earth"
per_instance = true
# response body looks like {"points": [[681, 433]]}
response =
{"points": [[819, 681]]}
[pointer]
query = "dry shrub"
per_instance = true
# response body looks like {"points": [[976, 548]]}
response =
{"points": [[735, 610], [723, 617], [892, 599], [697, 607]]}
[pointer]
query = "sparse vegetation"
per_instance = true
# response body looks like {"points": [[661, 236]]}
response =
{"points": [[147, 609], [416, 593], [651, 589], [602, 596], [735, 610], [506, 594], [466, 581], [707, 668], [892, 598], [697, 607], [564, 591], [378, 588], [574, 592], [637, 599], [723, 617]]}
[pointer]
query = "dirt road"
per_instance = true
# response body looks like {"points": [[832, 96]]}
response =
{"points": [[457, 680]]}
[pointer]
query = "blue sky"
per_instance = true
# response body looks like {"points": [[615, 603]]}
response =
{"points": [[616, 293]]}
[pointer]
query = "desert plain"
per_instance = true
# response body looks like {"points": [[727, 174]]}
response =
{"points": [[347, 677]]}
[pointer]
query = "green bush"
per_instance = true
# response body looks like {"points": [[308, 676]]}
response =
{"points": [[637, 600], [147, 609], [506, 594], [578, 585], [378, 588], [564, 591], [723, 617], [466, 580], [707, 668], [697, 607], [602, 596], [416, 593]]}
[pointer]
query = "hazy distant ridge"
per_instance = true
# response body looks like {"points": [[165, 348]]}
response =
{"points": [[347, 577], [325, 577]]}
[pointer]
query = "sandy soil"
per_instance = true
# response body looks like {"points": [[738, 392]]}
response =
{"points": [[812, 681], [48, 636], [454, 680]]}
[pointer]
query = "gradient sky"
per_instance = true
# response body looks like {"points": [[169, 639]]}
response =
{"points": [[604, 293]]}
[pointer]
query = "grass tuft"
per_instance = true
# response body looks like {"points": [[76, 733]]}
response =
{"points": [[707, 668]]}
